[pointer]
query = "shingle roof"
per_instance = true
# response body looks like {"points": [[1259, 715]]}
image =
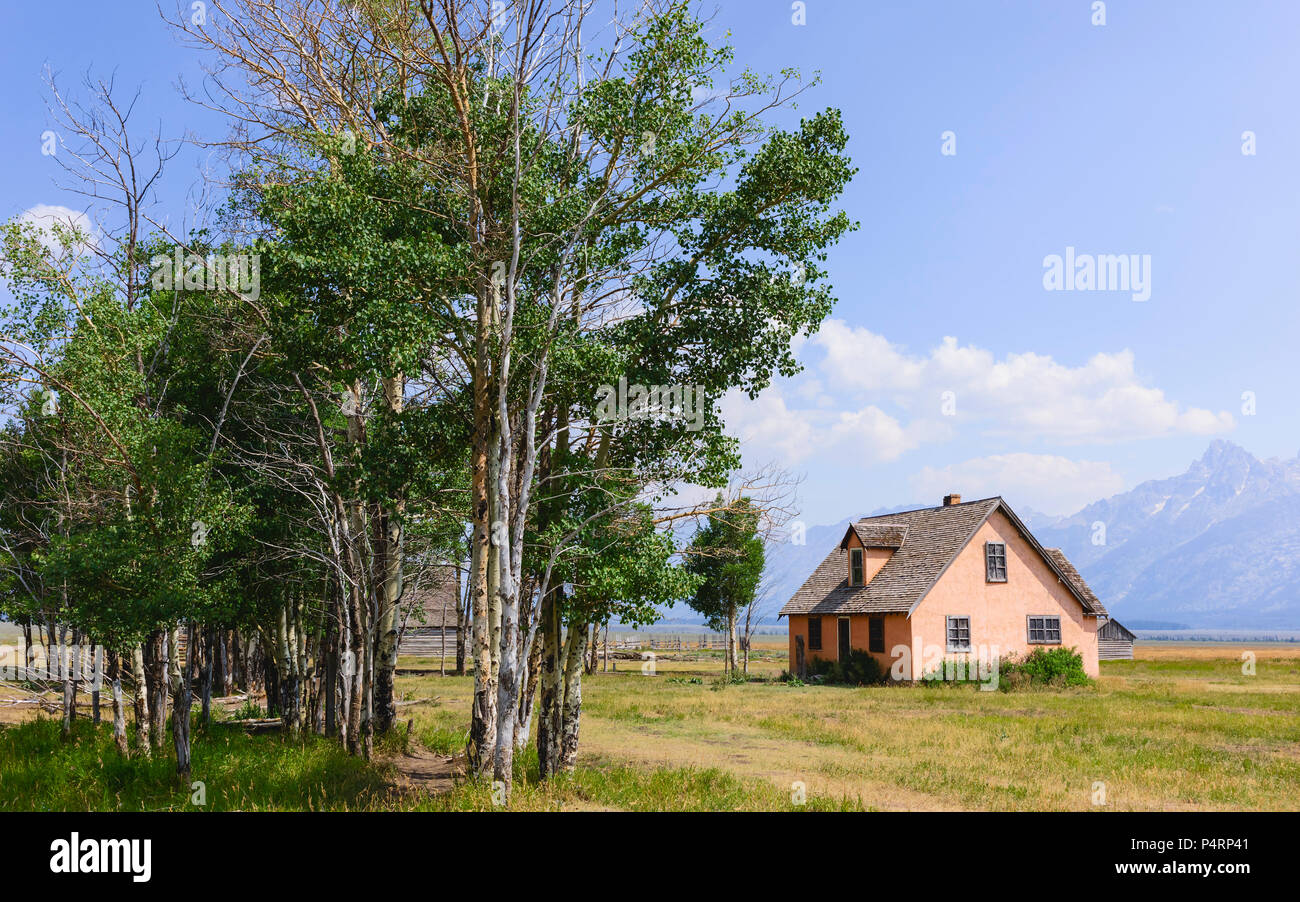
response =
{"points": [[928, 541], [1073, 576], [1113, 629], [877, 535], [431, 598]]}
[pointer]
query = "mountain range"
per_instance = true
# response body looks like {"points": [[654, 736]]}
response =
{"points": [[1217, 546]]}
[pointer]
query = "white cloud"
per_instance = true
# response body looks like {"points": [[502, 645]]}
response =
{"points": [[46, 216], [1044, 482], [1024, 395], [864, 401], [767, 422], [770, 429]]}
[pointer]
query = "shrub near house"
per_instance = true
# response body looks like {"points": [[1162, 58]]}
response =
{"points": [[963, 582]]}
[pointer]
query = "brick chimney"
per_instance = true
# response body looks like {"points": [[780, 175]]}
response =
{"points": [[950, 500]]}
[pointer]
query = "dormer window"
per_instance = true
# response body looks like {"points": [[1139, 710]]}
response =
{"points": [[855, 567]]}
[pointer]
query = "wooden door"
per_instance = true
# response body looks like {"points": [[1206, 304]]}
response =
{"points": [[844, 638]]}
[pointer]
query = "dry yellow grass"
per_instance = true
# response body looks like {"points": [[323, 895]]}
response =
{"points": [[1181, 727]]}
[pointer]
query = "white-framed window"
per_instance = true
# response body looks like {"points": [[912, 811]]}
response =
{"points": [[995, 562], [1044, 629], [958, 633], [855, 567]]}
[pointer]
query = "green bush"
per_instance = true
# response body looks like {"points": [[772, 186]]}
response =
{"points": [[861, 669], [947, 674], [730, 678], [1056, 667], [249, 711]]}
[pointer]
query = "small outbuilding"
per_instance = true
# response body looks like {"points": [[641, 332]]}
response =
{"points": [[434, 616], [1114, 642]]}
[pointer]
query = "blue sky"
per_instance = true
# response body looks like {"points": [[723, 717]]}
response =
{"points": [[1117, 139]]}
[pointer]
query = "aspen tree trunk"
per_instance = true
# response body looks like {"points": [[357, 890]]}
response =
{"points": [[388, 601], [726, 646], [298, 647], [69, 706], [552, 662], [286, 661], [174, 655], [507, 682], [96, 678], [75, 663], [241, 673], [51, 648], [316, 686], [550, 689], [119, 709], [483, 713], [270, 682], [572, 704], [66, 665], [368, 717], [330, 670], [529, 694], [218, 662], [181, 700], [359, 663], [361, 616], [65, 669], [227, 666], [483, 720], [291, 687], [209, 643], [346, 663], [732, 665], [140, 700], [157, 679], [391, 551]]}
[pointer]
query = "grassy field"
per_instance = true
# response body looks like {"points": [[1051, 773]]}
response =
{"points": [[1181, 727]]}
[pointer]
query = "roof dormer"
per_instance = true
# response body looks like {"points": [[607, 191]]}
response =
{"points": [[867, 548]]}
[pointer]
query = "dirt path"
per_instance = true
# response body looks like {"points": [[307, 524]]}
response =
{"points": [[420, 770]]}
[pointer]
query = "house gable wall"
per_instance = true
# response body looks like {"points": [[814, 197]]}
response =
{"points": [[998, 611]]}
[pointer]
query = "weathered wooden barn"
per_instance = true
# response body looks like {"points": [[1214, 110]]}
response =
{"points": [[1114, 642], [432, 613]]}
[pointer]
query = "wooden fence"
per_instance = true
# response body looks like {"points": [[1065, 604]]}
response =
{"points": [[666, 643], [427, 642]]}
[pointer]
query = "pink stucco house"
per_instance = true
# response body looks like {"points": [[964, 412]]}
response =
{"points": [[965, 581]]}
